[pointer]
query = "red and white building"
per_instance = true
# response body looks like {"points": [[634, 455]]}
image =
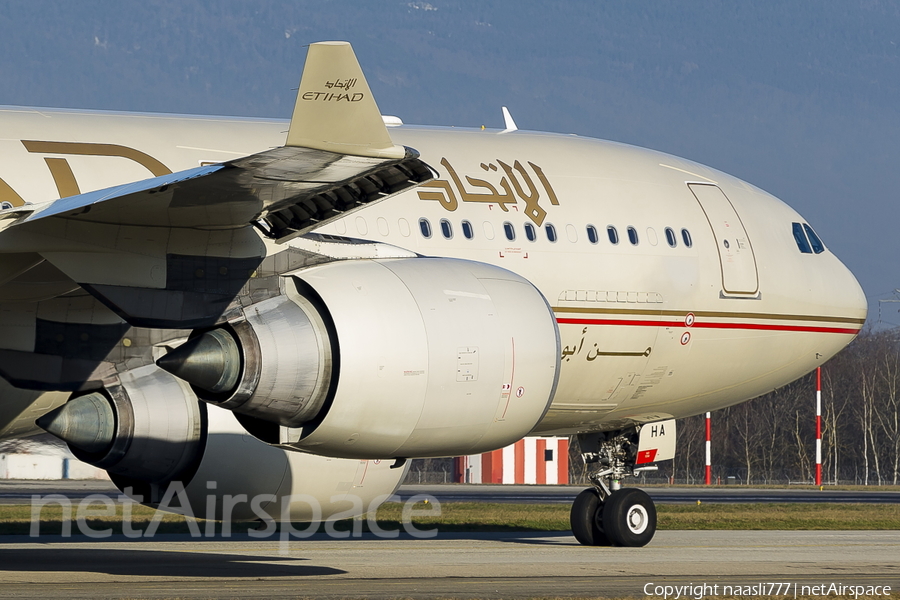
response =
{"points": [[531, 460]]}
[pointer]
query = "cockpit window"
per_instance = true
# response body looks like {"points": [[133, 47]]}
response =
{"points": [[800, 238], [817, 245]]}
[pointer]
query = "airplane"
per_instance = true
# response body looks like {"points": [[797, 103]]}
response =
{"points": [[275, 315]]}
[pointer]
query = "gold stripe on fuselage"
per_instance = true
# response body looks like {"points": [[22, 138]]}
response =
{"points": [[706, 313]]}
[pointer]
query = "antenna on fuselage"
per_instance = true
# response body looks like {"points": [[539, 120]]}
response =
{"points": [[508, 121]]}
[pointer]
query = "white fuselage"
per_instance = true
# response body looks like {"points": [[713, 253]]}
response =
{"points": [[649, 330]]}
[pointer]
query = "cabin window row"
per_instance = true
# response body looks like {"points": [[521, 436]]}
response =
{"points": [[531, 233]]}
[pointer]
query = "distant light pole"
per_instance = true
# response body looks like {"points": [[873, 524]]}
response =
{"points": [[819, 426], [708, 453]]}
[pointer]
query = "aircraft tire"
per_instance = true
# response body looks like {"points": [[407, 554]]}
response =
{"points": [[629, 518], [586, 519]]}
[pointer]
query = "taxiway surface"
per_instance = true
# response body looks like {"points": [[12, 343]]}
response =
{"points": [[565, 494], [485, 565], [21, 492]]}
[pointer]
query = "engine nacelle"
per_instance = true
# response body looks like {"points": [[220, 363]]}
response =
{"points": [[249, 479], [385, 358], [151, 432], [149, 428]]}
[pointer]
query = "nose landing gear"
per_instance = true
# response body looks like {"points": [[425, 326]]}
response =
{"points": [[606, 515]]}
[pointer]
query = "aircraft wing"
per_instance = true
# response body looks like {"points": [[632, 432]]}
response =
{"points": [[338, 157], [285, 192], [139, 248]]}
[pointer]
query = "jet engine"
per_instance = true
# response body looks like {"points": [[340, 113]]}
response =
{"points": [[160, 444], [149, 429], [388, 358]]}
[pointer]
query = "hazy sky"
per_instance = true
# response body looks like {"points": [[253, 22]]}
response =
{"points": [[799, 98]]}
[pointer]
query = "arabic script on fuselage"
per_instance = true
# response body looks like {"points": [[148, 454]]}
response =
{"points": [[516, 184], [593, 353]]}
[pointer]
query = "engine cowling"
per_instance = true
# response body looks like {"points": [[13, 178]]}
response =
{"points": [[384, 358], [149, 428], [151, 433]]}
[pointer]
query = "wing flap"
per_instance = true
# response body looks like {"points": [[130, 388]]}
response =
{"points": [[284, 191]]}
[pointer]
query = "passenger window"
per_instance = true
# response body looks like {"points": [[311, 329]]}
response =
{"points": [[592, 234], [446, 228], [468, 230], [530, 232], [800, 238], [551, 232], [670, 237], [613, 235], [425, 227], [633, 236], [686, 238], [509, 231], [814, 240]]}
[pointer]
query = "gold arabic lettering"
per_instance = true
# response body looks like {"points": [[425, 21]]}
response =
{"points": [[516, 184], [532, 209], [447, 198]]}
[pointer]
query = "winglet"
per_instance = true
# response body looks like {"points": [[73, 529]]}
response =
{"points": [[335, 110]]}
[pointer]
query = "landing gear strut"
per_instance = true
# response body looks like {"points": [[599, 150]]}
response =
{"points": [[606, 514]]}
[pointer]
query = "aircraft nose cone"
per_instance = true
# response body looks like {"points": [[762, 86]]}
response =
{"points": [[87, 423], [847, 292], [210, 361]]}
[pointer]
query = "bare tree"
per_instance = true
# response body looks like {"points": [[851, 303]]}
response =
{"points": [[887, 409]]}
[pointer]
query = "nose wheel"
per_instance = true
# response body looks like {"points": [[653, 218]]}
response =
{"points": [[607, 514], [627, 517]]}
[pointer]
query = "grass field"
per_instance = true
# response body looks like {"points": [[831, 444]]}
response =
{"points": [[461, 516]]}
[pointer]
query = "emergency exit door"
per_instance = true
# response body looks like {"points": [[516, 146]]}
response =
{"points": [[739, 274]]}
